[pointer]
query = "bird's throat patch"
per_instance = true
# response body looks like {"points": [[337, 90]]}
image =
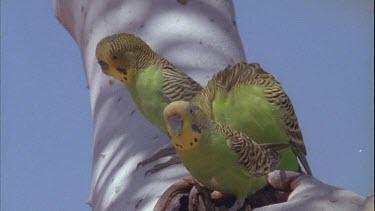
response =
{"points": [[123, 74], [189, 139]]}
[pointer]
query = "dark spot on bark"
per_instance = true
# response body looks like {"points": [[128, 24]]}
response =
{"points": [[169, 136], [212, 20], [110, 82], [132, 112], [119, 99], [183, 2], [141, 26], [191, 144], [138, 203], [125, 78], [114, 57], [333, 200], [195, 140]]}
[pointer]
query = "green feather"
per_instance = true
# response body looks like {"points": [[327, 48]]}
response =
{"points": [[151, 80], [216, 166], [147, 96], [230, 132]]}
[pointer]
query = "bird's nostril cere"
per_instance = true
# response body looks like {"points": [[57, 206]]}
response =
{"points": [[103, 65], [176, 122]]}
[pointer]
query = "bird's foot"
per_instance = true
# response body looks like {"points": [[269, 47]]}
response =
{"points": [[166, 151], [172, 161], [200, 198], [238, 205], [188, 194]]}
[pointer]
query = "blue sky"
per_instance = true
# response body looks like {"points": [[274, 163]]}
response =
{"points": [[321, 51]]}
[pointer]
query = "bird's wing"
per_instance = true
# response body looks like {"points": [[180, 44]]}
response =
{"points": [[177, 85], [252, 74], [256, 159]]}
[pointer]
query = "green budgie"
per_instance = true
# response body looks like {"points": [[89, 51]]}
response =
{"points": [[224, 133], [151, 80]]}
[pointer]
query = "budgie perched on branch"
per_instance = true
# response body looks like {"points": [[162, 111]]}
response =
{"points": [[236, 130], [151, 80]]}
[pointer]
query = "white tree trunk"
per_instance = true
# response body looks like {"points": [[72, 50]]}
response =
{"points": [[199, 37]]}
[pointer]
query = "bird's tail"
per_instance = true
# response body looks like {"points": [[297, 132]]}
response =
{"points": [[303, 160], [272, 153]]}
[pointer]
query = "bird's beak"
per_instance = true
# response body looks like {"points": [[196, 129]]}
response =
{"points": [[175, 122], [104, 67]]}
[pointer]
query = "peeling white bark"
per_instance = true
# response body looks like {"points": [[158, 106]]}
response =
{"points": [[310, 194], [199, 37]]}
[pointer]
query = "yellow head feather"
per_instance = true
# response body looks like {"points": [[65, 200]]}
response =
{"points": [[180, 119], [121, 55]]}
